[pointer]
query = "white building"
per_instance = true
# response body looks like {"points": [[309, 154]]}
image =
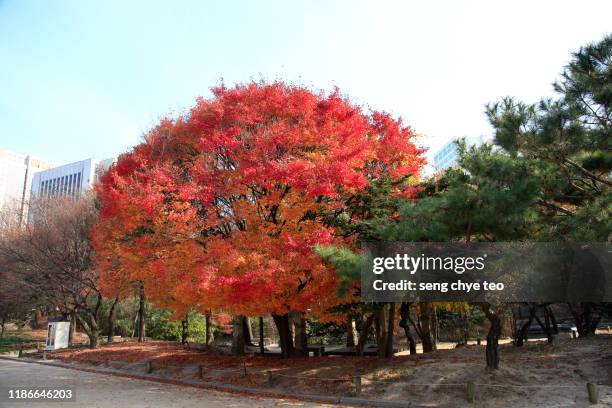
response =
{"points": [[16, 174], [70, 179]]}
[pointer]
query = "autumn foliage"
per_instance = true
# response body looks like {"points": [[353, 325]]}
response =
{"points": [[220, 208]]}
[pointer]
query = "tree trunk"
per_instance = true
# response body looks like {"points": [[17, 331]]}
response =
{"points": [[584, 318], [522, 334], [262, 346], [492, 349], [141, 314], [380, 321], [72, 330], [390, 330], [248, 332], [545, 326], [284, 334], [111, 321], [363, 334], [93, 338], [465, 335], [404, 323], [238, 335], [553, 320], [209, 332], [300, 338], [425, 323], [185, 329], [91, 328], [434, 328], [135, 324], [350, 332]]}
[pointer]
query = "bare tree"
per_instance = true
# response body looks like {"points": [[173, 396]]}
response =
{"points": [[16, 304], [51, 256]]}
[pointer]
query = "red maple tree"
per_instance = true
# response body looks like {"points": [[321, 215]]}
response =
{"points": [[221, 207]]}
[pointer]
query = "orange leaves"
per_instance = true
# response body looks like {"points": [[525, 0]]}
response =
{"points": [[220, 208]]}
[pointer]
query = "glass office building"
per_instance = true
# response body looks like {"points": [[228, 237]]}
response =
{"points": [[448, 155]]}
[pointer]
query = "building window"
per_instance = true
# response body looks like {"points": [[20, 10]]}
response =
{"points": [[79, 182]]}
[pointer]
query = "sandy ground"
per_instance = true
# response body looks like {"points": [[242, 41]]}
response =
{"points": [[104, 391], [535, 375]]}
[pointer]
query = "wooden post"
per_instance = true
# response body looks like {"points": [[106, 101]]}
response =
{"points": [[269, 377], [244, 367], [357, 384], [593, 393], [149, 366], [471, 391], [200, 371]]}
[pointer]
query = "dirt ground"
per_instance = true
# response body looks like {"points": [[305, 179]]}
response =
{"points": [[41, 335], [537, 374]]}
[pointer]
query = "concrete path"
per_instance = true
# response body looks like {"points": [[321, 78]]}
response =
{"points": [[106, 391]]}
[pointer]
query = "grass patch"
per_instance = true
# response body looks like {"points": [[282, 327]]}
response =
{"points": [[11, 338]]}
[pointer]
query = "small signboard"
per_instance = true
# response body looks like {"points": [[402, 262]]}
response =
{"points": [[57, 335]]}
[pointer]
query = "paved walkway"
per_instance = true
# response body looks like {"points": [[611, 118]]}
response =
{"points": [[102, 391]]}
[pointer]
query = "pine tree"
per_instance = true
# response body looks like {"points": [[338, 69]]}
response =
{"points": [[490, 197], [569, 139]]}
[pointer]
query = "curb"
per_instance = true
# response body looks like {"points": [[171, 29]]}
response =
{"points": [[229, 388]]}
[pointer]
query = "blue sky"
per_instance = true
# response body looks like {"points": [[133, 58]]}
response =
{"points": [[84, 78]]}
